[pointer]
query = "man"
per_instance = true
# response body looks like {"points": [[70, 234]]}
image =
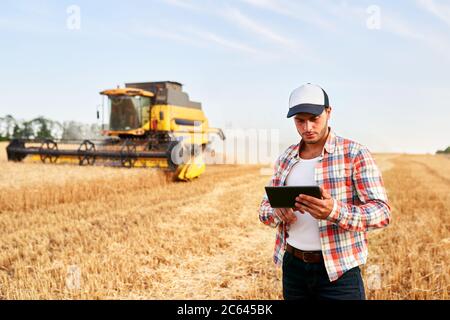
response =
{"points": [[322, 242]]}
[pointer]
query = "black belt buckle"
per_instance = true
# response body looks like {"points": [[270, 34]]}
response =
{"points": [[311, 257], [305, 256]]}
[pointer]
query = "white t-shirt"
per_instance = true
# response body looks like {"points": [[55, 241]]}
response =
{"points": [[304, 233]]}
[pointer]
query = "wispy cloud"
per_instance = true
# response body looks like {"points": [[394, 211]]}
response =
{"points": [[279, 43], [29, 27], [394, 23], [251, 25], [29, 17], [299, 10], [325, 15], [199, 38], [185, 4], [165, 34], [227, 43], [440, 10], [435, 40]]}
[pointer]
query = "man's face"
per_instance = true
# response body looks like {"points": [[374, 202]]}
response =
{"points": [[312, 128]]}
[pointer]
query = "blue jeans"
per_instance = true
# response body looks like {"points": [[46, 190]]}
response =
{"points": [[309, 281]]}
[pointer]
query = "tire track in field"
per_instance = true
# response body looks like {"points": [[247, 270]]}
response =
{"points": [[86, 226], [12, 221], [237, 271], [179, 254], [63, 215], [112, 183], [434, 173]]}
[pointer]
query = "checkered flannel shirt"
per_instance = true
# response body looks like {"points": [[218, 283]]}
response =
{"points": [[349, 173]]}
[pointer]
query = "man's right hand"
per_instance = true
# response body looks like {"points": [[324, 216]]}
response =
{"points": [[287, 215]]}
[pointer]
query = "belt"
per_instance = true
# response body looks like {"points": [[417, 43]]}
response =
{"points": [[305, 256]]}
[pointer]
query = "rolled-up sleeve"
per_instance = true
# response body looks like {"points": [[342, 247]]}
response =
{"points": [[374, 210]]}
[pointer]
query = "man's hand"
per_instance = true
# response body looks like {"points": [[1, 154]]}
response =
{"points": [[318, 208], [287, 215]]}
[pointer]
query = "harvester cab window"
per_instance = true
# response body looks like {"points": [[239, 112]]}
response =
{"points": [[145, 110], [125, 112]]}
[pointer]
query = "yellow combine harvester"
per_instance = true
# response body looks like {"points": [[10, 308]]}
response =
{"points": [[151, 124]]}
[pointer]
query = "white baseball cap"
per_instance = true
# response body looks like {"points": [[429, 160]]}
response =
{"points": [[308, 98]]}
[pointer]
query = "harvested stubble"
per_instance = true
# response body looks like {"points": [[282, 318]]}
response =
{"points": [[95, 233]]}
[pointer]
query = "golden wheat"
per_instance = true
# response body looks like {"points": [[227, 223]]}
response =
{"points": [[95, 233]]}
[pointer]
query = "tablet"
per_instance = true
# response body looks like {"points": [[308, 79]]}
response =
{"points": [[284, 197]]}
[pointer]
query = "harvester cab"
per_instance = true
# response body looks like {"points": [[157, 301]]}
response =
{"points": [[150, 124]]}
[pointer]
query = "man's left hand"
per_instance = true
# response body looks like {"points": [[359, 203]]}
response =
{"points": [[318, 208]]}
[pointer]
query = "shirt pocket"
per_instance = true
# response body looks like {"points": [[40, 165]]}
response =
{"points": [[341, 182], [339, 174]]}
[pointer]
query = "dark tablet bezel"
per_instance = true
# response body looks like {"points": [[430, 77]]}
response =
{"points": [[284, 196]]}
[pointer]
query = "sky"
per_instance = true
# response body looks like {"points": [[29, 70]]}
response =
{"points": [[384, 64]]}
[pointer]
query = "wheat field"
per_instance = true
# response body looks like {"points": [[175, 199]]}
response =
{"points": [[73, 232]]}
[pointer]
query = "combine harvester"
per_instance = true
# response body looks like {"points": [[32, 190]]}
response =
{"points": [[151, 124]]}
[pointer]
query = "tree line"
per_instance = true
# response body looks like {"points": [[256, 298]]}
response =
{"points": [[445, 151], [42, 128]]}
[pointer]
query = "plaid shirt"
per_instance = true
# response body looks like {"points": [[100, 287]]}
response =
{"points": [[349, 173]]}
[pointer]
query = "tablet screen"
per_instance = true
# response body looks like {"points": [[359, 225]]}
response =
{"points": [[284, 196]]}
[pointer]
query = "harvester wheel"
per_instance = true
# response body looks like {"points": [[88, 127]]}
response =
{"points": [[127, 154], [48, 145], [84, 158]]}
